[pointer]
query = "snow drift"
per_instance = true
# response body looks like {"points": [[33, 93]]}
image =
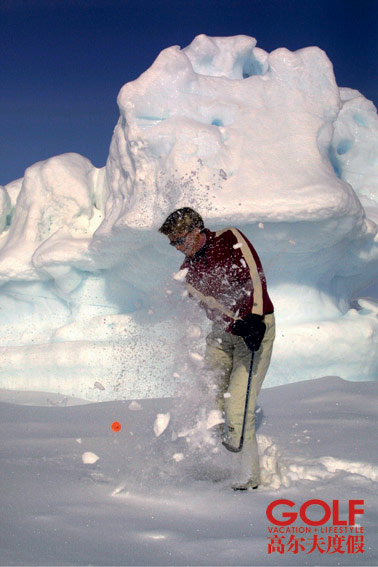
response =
{"points": [[266, 142]]}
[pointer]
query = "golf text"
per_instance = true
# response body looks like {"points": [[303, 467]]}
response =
{"points": [[340, 535]]}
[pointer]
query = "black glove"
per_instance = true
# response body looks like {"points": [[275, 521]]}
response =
{"points": [[252, 329]]}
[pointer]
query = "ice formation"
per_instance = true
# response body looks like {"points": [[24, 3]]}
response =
{"points": [[264, 141]]}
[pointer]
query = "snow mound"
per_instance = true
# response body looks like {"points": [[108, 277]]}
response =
{"points": [[263, 141], [326, 468]]}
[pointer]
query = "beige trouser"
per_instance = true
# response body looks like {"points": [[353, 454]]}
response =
{"points": [[228, 359]]}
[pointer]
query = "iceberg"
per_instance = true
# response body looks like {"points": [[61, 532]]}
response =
{"points": [[267, 142]]}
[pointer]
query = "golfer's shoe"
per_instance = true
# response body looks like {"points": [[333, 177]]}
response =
{"points": [[249, 485]]}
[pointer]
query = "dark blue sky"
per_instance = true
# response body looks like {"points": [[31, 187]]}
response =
{"points": [[63, 62]]}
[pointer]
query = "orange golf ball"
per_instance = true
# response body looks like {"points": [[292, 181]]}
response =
{"points": [[116, 426]]}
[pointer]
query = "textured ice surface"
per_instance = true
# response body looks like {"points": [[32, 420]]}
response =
{"points": [[265, 141]]}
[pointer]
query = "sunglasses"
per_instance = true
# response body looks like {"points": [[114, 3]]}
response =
{"points": [[179, 241]]}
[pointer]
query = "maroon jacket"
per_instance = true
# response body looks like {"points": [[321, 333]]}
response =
{"points": [[226, 277]]}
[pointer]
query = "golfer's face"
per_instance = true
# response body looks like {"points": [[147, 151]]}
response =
{"points": [[186, 242]]}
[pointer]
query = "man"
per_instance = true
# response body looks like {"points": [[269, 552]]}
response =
{"points": [[224, 274]]}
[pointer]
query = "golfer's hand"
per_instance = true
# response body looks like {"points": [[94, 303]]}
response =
{"points": [[252, 329]]}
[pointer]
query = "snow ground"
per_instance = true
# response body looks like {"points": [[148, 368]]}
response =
{"points": [[139, 504]]}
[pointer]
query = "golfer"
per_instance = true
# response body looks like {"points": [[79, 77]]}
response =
{"points": [[224, 274]]}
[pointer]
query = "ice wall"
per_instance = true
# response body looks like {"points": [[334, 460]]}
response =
{"points": [[266, 142]]}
